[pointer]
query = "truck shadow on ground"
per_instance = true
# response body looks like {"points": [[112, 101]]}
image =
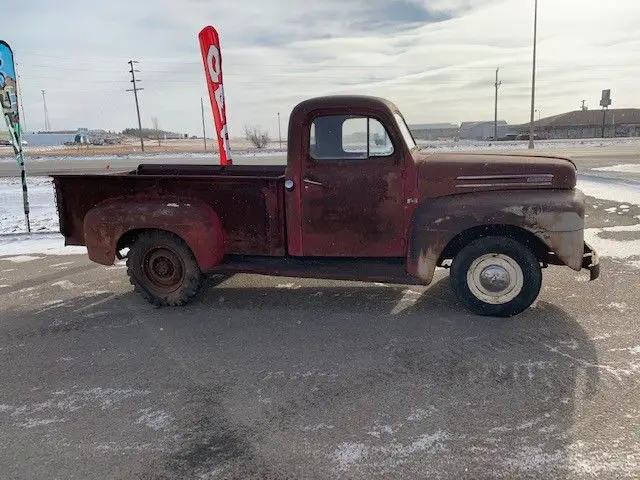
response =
{"points": [[362, 382]]}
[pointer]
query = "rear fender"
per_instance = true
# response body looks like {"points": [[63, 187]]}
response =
{"points": [[555, 217], [193, 221]]}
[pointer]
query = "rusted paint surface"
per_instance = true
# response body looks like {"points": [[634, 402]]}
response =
{"points": [[557, 219], [196, 223], [360, 208], [249, 205], [457, 173]]}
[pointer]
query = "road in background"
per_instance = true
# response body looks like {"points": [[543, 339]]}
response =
{"points": [[587, 159]]}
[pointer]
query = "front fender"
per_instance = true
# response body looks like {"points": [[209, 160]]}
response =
{"points": [[555, 217], [193, 221]]}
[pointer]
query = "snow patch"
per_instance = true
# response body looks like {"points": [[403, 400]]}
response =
{"points": [[418, 414], [632, 350], [349, 453], [615, 191], [154, 419], [620, 249], [64, 284], [390, 455], [28, 245], [40, 422], [317, 427], [623, 168], [621, 307], [52, 303], [63, 264], [20, 259]]}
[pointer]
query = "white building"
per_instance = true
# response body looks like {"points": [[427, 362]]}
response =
{"points": [[485, 130]]}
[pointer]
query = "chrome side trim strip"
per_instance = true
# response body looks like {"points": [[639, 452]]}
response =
{"points": [[528, 184], [548, 176]]}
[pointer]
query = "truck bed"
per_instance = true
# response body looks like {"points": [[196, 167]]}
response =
{"points": [[248, 199]]}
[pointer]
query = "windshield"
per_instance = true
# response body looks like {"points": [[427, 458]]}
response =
{"points": [[406, 133]]}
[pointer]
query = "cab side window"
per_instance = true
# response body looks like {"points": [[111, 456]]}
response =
{"points": [[345, 137]]}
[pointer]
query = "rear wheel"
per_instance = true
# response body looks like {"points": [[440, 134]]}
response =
{"points": [[496, 276], [163, 270]]}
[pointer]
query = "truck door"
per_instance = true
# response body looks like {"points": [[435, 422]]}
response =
{"points": [[351, 191]]}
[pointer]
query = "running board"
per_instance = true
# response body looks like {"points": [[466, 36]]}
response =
{"points": [[391, 270]]}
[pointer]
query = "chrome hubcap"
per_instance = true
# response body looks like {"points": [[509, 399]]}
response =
{"points": [[495, 278]]}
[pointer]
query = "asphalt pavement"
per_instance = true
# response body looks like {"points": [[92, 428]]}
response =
{"points": [[277, 378]]}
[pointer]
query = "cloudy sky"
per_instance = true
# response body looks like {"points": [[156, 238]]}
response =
{"points": [[435, 59]]}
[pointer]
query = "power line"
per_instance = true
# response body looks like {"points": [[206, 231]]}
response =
{"points": [[135, 90]]}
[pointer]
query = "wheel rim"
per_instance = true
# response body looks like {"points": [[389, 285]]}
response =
{"points": [[164, 268], [495, 278]]}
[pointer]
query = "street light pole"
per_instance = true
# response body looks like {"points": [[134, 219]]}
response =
{"points": [[533, 75], [279, 131]]}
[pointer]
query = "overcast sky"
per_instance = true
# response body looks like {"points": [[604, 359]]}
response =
{"points": [[435, 59]]}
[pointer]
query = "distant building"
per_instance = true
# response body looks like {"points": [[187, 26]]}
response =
{"points": [[485, 130], [619, 122], [434, 131]]}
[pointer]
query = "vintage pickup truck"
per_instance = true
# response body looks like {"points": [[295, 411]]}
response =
{"points": [[357, 200]]}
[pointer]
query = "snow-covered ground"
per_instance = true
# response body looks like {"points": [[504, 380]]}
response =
{"points": [[44, 218], [558, 145], [43, 214], [624, 168]]}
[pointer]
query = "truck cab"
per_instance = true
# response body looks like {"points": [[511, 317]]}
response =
{"points": [[357, 200]]}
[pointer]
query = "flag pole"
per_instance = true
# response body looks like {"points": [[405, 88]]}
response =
{"points": [[16, 141], [10, 112]]}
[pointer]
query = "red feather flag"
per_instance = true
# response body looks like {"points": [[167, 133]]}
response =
{"points": [[212, 58]]}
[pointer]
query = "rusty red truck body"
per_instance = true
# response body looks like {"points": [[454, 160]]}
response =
{"points": [[357, 200]]}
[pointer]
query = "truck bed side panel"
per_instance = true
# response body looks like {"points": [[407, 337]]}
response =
{"points": [[250, 208]]}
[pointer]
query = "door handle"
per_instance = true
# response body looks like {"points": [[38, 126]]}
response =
{"points": [[312, 182]]}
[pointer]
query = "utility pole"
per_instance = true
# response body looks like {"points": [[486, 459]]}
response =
{"points": [[135, 90], [604, 118], [204, 130], [533, 74], [47, 123], [583, 107], [279, 131], [495, 120]]}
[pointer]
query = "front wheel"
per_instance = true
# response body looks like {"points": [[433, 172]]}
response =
{"points": [[163, 270], [496, 276]]}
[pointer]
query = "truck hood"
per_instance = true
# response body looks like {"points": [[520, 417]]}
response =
{"points": [[441, 174]]}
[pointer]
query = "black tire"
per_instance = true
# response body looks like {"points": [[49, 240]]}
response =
{"points": [[162, 268], [501, 247]]}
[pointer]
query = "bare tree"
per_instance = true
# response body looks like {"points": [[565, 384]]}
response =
{"points": [[156, 128], [258, 137]]}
